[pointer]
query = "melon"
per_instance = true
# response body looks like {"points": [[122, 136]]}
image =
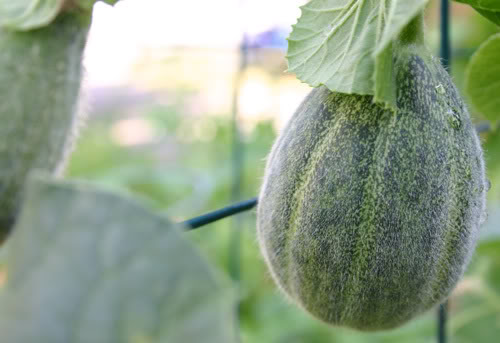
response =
{"points": [[368, 216], [40, 73]]}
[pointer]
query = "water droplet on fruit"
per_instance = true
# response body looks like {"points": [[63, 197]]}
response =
{"points": [[440, 89]]}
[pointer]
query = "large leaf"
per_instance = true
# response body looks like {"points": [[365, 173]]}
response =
{"points": [[482, 81], [88, 4], [491, 15], [23, 15], [346, 44], [28, 14], [86, 265], [487, 8], [492, 5]]}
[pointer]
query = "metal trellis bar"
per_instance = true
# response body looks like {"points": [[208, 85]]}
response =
{"points": [[445, 54]]}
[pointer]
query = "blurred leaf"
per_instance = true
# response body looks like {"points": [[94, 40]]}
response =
{"points": [[476, 304], [86, 265], [492, 5], [492, 158], [482, 81], [491, 15], [88, 4], [490, 250], [345, 44], [23, 15], [488, 8], [28, 14], [492, 150]]}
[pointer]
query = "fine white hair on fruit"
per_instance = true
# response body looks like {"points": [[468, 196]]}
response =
{"points": [[40, 76], [368, 217]]}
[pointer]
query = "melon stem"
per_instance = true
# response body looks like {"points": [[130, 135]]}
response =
{"points": [[413, 33]]}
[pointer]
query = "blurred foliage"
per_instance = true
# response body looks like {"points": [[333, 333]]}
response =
{"points": [[180, 162], [68, 268]]}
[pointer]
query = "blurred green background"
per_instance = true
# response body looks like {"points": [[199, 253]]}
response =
{"points": [[166, 135]]}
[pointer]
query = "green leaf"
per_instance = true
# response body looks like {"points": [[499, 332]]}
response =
{"points": [[86, 265], [476, 304], [346, 44], [489, 9], [492, 157], [28, 14], [24, 15], [482, 79], [492, 5], [491, 15], [88, 4]]}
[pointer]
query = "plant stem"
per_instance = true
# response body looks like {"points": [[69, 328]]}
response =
{"points": [[413, 33]]}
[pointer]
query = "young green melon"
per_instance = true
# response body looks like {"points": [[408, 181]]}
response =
{"points": [[40, 72], [367, 217]]}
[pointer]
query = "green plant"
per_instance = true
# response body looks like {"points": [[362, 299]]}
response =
{"points": [[85, 264], [40, 82], [72, 239]]}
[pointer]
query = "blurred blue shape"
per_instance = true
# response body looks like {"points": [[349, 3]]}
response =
{"points": [[274, 38]]}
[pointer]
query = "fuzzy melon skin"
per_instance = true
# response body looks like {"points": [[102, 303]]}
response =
{"points": [[366, 217], [40, 73]]}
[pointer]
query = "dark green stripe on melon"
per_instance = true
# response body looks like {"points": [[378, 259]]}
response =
{"points": [[367, 217], [40, 73]]}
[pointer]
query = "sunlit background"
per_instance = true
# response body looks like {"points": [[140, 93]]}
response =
{"points": [[163, 83]]}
